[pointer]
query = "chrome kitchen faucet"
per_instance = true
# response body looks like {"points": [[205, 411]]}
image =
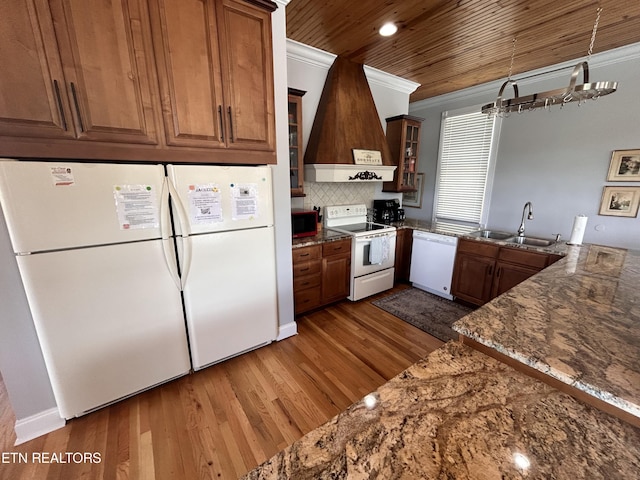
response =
{"points": [[529, 217]]}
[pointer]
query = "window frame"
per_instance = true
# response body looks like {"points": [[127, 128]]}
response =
{"points": [[491, 165]]}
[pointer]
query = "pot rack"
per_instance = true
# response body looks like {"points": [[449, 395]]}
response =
{"points": [[561, 96]]}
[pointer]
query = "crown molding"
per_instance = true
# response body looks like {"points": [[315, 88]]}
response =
{"points": [[319, 58], [387, 80], [309, 55], [281, 3], [602, 59]]}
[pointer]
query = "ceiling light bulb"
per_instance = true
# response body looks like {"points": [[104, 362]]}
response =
{"points": [[388, 29]]}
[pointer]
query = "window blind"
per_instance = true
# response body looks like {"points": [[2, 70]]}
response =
{"points": [[465, 151]]}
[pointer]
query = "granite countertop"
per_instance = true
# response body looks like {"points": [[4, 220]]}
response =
{"points": [[325, 235], [461, 414], [461, 231], [577, 321], [328, 235]]}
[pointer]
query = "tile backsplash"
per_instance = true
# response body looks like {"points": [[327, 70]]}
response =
{"points": [[322, 194]]}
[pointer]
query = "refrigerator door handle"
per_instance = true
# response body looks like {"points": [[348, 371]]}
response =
{"points": [[166, 236], [165, 226], [184, 228]]}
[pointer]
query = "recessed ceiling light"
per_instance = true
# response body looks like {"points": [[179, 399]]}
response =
{"points": [[388, 29]]}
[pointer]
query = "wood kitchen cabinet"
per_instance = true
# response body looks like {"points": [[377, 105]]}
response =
{"points": [[473, 271], [321, 274], [143, 80], [483, 270], [514, 265], [75, 70], [307, 278], [215, 72], [508, 276], [296, 164], [336, 270], [403, 137], [404, 245]]}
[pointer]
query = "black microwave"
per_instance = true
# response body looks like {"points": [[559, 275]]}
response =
{"points": [[304, 223]]}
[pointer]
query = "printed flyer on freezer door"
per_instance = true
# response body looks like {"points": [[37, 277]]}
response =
{"points": [[205, 205], [244, 201], [136, 206]]}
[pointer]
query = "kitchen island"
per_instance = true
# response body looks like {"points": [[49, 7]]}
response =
{"points": [[577, 321], [460, 414]]}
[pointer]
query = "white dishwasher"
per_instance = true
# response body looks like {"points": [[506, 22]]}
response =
{"points": [[432, 260]]}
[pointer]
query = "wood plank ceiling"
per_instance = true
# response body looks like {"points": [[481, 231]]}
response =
{"points": [[449, 45]]}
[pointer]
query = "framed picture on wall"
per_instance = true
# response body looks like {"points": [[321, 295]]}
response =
{"points": [[620, 201], [624, 166], [414, 199]]}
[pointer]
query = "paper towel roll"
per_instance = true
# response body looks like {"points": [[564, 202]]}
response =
{"points": [[577, 232]]}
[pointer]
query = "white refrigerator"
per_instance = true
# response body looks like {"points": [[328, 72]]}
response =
{"points": [[226, 245], [118, 299]]}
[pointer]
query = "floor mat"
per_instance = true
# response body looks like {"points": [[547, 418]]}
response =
{"points": [[428, 312]]}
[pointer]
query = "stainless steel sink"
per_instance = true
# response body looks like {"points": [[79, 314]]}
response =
{"points": [[532, 241], [496, 235]]}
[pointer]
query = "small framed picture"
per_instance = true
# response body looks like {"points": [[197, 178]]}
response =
{"points": [[414, 199], [366, 157], [625, 166], [620, 201]]}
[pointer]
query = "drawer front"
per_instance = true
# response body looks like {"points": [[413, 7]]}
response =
{"points": [[306, 254], [478, 248], [307, 268], [306, 299], [523, 257], [336, 248], [307, 281]]}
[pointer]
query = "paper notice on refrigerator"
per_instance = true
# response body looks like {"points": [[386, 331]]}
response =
{"points": [[62, 176], [244, 199], [205, 205], [136, 206]]}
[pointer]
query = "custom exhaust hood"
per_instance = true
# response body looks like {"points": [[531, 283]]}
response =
{"points": [[347, 120]]}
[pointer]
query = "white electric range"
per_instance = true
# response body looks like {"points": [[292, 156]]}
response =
{"points": [[373, 249]]}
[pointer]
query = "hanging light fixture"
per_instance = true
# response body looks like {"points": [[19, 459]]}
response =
{"points": [[573, 92]]}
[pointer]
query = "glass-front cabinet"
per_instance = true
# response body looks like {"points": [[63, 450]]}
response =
{"points": [[403, 137], [296, 165]]}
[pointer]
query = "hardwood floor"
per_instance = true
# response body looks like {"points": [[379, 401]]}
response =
{"points": [[225, 420]]}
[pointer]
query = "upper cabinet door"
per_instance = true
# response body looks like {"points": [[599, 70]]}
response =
{"points": [[247, 70], [33, 99], [103, 45], [187, 54]]}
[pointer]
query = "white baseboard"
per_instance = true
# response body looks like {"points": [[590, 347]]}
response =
{"points": [[37, 425], [287, 330]]}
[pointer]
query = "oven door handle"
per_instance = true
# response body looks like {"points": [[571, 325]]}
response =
{"points": [[368, 238]]}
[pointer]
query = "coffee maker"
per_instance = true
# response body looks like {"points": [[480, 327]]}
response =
{"points": [[387, 211]]}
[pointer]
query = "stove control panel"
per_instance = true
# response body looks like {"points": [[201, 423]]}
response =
{"points": [[346, 211]]}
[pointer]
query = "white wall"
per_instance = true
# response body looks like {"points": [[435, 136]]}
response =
{"points": [[556, 159], [307, 70], [281, 183]]}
